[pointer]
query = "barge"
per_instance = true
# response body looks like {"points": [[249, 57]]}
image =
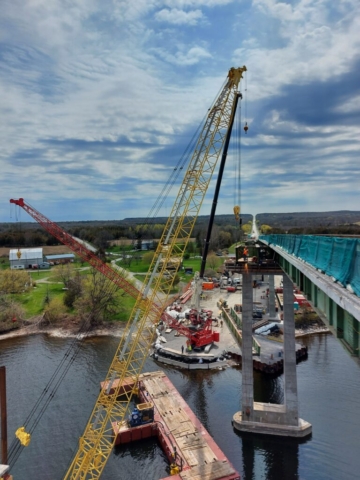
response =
{"points": [[191, 451]]}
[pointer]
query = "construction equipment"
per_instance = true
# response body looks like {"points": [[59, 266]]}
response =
{"points": [[200, 332], [97, 441], [200, 339], [142, 414]]}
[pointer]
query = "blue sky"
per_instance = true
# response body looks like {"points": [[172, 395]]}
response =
{"points": [[100, 98]]}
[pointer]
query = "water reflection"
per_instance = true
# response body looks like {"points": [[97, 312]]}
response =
{"points": [[276, 457], [268, 389]]}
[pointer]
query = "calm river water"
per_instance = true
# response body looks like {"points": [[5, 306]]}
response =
{"points": [[329, 396]]}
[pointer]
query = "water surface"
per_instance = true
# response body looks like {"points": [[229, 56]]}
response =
{"points": [[329, 396]]}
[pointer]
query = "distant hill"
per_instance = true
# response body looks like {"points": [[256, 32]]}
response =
{"points": [[309, 219], [284, 221], [220, 220]]}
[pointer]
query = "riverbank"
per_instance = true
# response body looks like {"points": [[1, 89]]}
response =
{"points": [[72, 329]]}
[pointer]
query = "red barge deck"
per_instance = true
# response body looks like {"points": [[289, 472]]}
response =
{"points": [[183, 438]]}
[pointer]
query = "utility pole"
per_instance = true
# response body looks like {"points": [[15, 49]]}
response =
{"points": [[4, 456], [4, 467]]}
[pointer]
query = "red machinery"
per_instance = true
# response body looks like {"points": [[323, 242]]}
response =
{"points": [[199, 332]]}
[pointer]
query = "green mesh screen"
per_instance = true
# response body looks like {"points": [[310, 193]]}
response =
{"points": [[337, 257]]}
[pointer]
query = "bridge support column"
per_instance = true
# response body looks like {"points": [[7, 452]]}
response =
{"points": [[266, 418], [272, 309], [247, 360]]}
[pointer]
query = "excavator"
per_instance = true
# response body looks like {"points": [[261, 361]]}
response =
{"points": [[97, 441]]}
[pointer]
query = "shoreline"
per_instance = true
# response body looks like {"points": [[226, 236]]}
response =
{"points": [[104, 331], [35, 329]]}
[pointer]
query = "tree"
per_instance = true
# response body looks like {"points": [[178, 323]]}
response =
{"points": [[74, 290], [247, 227], [11, 313], [54, 310], [14, 281], [102, 239], [100, 298], [190, 248], [225, 239], [147, 257], [65, 273], [265, 229], [213, 262]]}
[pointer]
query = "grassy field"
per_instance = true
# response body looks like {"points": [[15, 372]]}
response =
{"points": [[33, 301]]}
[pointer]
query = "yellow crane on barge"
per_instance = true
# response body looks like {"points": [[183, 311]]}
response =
{"points": [[97, 441]]}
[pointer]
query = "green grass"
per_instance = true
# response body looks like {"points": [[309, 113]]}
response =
{"points": [[136, 267], [33, 301], [4, 264], [41, 274], [127, 304], [140, 277], [121, 249], [194, 263]]}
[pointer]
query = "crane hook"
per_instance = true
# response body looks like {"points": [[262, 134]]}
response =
{"points": [[246, 128]]}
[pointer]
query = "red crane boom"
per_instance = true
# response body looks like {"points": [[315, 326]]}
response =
{"points": [[81, 250]]}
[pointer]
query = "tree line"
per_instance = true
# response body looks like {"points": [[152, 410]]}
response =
{"points": [[100, 234]]}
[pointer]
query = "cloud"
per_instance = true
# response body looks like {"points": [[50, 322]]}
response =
{"points": [[179, 17], [100, 99], [191, 57], [312, 48]]}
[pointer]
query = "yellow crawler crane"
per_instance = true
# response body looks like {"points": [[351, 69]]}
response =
{"points": [[96, 443]]}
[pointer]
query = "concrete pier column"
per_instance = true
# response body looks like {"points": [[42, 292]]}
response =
{"points": [[272, 309], [269, 418], [290, 381], [247, 357]]}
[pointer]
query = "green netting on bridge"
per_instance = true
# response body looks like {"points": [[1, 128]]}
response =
{"points": [[336, 257]]}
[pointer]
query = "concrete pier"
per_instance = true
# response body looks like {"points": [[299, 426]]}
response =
{"points": [[265, 418]]}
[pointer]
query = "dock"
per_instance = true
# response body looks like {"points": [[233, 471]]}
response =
{"points": [[184, 440]]}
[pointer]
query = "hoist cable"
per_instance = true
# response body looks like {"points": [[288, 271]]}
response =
{"points": [[56, 379], [182, 162]]}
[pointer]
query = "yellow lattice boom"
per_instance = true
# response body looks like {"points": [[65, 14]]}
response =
{"points": [[97, 441]]}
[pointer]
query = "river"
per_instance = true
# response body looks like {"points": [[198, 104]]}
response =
{"points": [[329, 398]]}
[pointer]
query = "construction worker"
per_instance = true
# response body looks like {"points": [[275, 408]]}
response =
{"points": [[245, 253]]}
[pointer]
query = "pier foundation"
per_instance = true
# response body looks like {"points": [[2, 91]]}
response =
{"points": [[266, 418]]}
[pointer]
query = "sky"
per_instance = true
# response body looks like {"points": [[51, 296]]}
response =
{"points": [[100, 98]]}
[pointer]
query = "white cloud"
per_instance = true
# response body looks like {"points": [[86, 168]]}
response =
{"points": [[179, 17], [190, 57], [352, 105], [312, 51]]}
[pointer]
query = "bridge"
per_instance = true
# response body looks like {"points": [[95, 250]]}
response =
{"points": [[327, 270]]}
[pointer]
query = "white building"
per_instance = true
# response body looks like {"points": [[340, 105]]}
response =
{"points": [[25, 257]]}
